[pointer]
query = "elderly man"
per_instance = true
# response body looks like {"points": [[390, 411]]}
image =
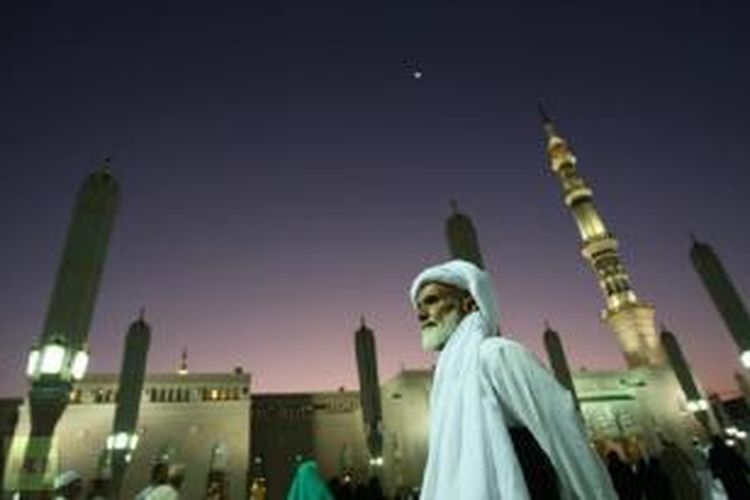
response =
{"points": [[484, 384]]}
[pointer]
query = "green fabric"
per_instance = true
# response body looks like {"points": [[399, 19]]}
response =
{"points": [[308, 484]]}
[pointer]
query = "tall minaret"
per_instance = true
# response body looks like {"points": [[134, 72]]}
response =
{"points": [[558, 361], [124, 438], [694, 401], [724, 296], [631, 319], [369, 391], [61, 355], [462, 237]]}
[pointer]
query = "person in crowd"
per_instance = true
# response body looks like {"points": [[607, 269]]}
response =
{"points": [[308, 484], [159, 476], [68, 486], [699, 456], [623, 477], [680, 472], [730, 468]]}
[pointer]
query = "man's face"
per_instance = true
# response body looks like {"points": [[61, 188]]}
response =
{"points": [[440, 309]]}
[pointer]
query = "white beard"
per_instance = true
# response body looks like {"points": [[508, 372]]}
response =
{"points": [[434, 337]]}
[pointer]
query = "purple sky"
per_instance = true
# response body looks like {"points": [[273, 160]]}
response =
{"points": [[282, 172]]}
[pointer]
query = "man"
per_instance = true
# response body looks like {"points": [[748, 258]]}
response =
{"points": [[484, 384], [68, 486], [159, 478]]}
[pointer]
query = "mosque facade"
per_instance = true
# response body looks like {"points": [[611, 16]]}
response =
{"points": [[212, 423], [198, 423]]}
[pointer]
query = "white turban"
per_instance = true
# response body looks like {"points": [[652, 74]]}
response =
{"points": [[465, 276], [66, 478]]}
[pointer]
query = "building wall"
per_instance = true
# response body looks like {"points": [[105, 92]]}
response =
{"points": [[186, 416], [406, 399], [8, 421], [326, 426], [182, 416], [623, 408]]}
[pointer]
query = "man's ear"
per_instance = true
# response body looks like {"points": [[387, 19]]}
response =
{"points": [[468, 304]]}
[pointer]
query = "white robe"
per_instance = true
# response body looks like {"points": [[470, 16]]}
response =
{"points": [[484, 384]]}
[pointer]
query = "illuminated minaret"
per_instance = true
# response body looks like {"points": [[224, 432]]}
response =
{"points": [[631, 319], [61, 357]]}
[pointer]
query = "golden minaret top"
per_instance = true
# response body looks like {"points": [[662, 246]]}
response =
{"points": [[631, 319]]}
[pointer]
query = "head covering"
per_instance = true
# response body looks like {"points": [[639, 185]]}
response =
{"points": [[308, 484], [466, 276], [163, 492], [66, 478]]}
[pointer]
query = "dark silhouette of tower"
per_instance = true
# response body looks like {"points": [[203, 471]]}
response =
{"points": [[462, 237], [124, 438], [695, 402], [61, 355], [369, 390], [558, 361], [724, 296]]}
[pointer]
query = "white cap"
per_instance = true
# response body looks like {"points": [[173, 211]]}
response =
{"points": [[66, 478], [465, 276], [163, 492]]}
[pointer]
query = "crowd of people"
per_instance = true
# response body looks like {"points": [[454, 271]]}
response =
{"points": [[710, 471], [714, 471]]}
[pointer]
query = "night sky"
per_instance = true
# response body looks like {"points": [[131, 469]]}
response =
{"points": [[283, 172]]}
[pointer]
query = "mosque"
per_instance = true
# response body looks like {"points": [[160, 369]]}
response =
{"points": [[216, 429]]}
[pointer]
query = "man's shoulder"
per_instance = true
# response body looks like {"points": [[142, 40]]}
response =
{"points": [[496, 349], [497, 346]]}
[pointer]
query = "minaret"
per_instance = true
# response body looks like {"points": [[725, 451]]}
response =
{"points": [[369, 391], [558, 361], [183, 370], [124, 438], [744, 387], [631, 319], [61, 357], [724, 296], [462, 237], [694, 400]]}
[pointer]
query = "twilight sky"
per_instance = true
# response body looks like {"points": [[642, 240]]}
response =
{"points": [[283, 173]]}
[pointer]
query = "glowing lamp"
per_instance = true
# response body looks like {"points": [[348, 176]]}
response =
{"points": [[121, 441], [697, 405], [33, 362], [741, 434], [53, 356], [745, 359], [80, 362], [133, 442]]}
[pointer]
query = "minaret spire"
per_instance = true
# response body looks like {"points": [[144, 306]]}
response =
{"points": [[631, 319], [183, 362], [461, 237]]}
